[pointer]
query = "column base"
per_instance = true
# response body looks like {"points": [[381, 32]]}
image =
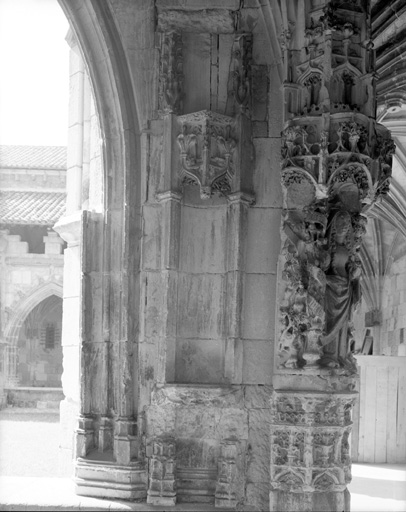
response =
{"points": [[105, 479], [326, 501]]}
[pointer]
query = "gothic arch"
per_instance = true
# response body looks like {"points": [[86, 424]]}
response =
{"points": [[110, 241], [22, 310]]}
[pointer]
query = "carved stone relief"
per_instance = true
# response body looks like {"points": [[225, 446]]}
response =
{"points": [[333, 169], [162, 483], [207, 147], [310, 449]]}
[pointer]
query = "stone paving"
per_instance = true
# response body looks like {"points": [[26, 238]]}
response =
{"points": [[30, 479]]}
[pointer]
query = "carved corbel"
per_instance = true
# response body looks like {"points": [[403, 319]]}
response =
{"points": [[206, 152]]}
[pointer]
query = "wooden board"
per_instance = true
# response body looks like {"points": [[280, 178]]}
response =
{"points": [[381, 413], [354, 436], [401, 417], [370, 413], [391, 413], [362, 394]]}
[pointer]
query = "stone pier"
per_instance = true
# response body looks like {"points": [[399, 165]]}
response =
{"points": [[336, 163], [214, 278]]}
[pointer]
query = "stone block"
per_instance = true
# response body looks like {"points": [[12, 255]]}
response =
{"points": [[232, 5], [160, 421], [257, 362], [111, 481], [69, 412], [251, 21], [259, 306], [263, 244], [70, 326], [148, 369], [94, 358], [275, 105], [15, 246], [257, 496], [71, 376], [260, 129], [197, 422], [152, 237], [200, 306], [266, 178], [202, 239], [233, 423], [257, 397], [199, 361], [92, 302], [198, 452], [72, 272], [258, 463], [155, 308]]}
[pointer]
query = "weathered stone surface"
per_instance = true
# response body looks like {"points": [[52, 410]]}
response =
{"points": [[200, 305], [258, 462], [203, 238], [257, 397], [262, 246], [199, 361], [258, 323], [205, 396], [152, 234], [257, 362], [268, 191], [205, 20]]}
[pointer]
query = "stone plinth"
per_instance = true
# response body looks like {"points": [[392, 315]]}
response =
{"points": [[106, 479]]}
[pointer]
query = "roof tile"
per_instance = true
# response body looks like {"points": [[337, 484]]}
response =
{"points": [[33, 157], [43, 208]]}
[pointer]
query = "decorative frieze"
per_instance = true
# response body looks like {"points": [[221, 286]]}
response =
{"points": [[309, 438]]}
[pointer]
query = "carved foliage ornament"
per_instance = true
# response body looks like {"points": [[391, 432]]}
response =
{"points": [[329, 178], [207, 148]]}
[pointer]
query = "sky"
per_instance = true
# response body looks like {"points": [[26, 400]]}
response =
{"points": [[34, 71]]}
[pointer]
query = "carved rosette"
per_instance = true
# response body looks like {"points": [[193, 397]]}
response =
{"points": [[207, 147], [309, 442], [171, 73], [336, 161]]}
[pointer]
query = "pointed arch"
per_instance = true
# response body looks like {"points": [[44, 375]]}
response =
{"points": [[27, 304]]}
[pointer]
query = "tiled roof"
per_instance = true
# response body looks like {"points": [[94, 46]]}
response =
{"points": [[33, 157], [31, 207]]}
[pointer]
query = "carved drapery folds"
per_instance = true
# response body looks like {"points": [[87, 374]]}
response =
{"points": [[336, 161]]}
